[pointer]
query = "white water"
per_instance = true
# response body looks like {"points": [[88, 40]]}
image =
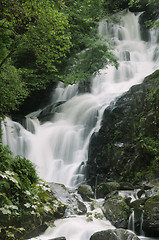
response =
{"points": [[80, 227], [59, 147]]}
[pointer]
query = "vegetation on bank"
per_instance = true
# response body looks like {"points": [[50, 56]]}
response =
{"points": [[148, 130], [146, 135], [26, 203]]}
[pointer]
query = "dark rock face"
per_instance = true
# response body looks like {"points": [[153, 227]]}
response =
{"points": [[120, 150], [114, 234], [33, 102]]}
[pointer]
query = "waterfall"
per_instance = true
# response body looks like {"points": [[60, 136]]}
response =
{"points": [[59, 146], [131, 224]]}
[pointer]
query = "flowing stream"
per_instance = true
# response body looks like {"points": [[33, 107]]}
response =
{"points": [[59, 146]]}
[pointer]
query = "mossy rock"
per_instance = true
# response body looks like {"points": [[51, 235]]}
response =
{"points": [[138, 204], [117, 211], [105, 188], [151, 216], [114, 234]]}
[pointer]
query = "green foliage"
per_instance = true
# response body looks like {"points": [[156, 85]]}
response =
{"points": [[89, 61], [152, 9], [5, 39], [49, 48], [83, 16], [138, 3], [116, 5], [25, 202], [24, 168], [13, 90], [6, 158], [149, 143]]}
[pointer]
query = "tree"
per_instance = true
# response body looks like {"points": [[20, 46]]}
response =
{"points": [[49, 35], [97, 55], [12, 89], [39, 30], [42, 27]]}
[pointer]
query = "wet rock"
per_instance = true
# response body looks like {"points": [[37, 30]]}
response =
{"points": [[33, 101], [82, 208], [147, 186], [114, 234], [126, 186], [61, 193], [152, 192], [86, 192], [47, 113], [151, 216], [117, 211], [112, 194], [105, 188], [140, 193], [84, 86]]}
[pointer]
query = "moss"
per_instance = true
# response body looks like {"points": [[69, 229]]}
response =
{"points": [[117, 211], [151, 201], [125, 210], [104, 188]]}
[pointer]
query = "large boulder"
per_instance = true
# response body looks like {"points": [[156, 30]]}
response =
{"points": [[117, 211], [114, 234], [151, 216]]}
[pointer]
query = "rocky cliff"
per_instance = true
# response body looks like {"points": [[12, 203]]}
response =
{"points": [[126, 148]]}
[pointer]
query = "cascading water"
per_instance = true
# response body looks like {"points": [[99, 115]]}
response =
{"points": [[59, 147]]}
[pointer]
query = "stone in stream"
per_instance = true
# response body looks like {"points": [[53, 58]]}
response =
{"points": [[117, 211], [86, 192], [114, 234]]}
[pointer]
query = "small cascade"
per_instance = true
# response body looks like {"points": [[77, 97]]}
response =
{"points": [[131, 224], [141, 233], [134, 225], [79, 227], [62, 93]]}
